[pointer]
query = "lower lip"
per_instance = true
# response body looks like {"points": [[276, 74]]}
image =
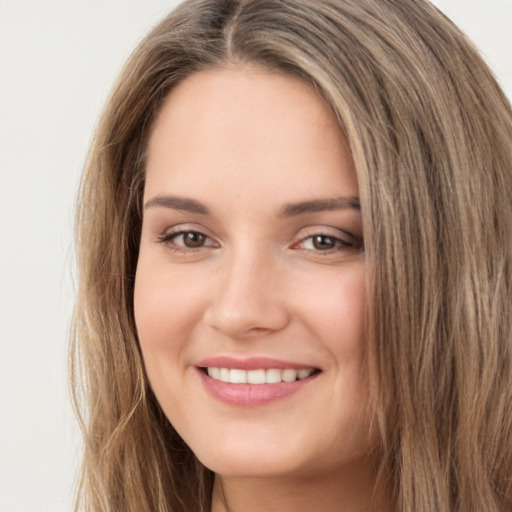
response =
{"points": [[252, 394]]}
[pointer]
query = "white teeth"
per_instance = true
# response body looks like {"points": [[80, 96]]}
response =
{"points": [[238, 376], [256, 376], [214, 373], [289, 375], [273, 376], [302, 374], [270, 376]]}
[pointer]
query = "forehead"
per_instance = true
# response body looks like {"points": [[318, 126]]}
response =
{"points": [[251, 131]]}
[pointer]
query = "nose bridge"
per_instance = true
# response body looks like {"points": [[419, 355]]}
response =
{"points": [[247, 301]]}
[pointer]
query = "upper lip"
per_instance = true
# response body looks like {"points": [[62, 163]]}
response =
{"points": [[252, 363]]}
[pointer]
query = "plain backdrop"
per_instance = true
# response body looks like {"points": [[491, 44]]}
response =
{"points": [[58, 60]]}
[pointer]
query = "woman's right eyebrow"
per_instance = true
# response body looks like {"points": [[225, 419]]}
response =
{"points": [[178, 203]]}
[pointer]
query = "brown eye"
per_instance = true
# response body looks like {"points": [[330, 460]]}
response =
{"points": [[324, 242], [193, 239], [328, 244], [186, 240]]}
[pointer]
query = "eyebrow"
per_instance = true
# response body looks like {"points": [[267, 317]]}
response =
{"points": [[288, 210], [178, 203], [320, 205]]}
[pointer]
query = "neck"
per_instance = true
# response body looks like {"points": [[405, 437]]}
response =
{"points": [[332, 492]]}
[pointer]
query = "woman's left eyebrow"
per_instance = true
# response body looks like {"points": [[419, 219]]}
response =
{"points": [[319, 205]]}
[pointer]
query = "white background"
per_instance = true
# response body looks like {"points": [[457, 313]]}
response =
{"points": [[57, 61]]}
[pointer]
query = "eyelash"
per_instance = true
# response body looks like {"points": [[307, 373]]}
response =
{"points": [[339, 244], [169, 240]]}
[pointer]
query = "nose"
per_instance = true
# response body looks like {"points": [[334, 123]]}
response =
{"points": [[249, 300]]}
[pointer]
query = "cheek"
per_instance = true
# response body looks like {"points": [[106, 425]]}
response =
{"points": [[341, 327], [335, 314], [164, 302], [167, 308], [334, 306]]}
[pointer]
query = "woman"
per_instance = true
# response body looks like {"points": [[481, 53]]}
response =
{"points": [[241, 347]]}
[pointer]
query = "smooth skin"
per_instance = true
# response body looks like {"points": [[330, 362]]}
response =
{"points": [[252, 246]]}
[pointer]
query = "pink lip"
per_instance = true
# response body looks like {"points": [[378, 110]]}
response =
{"points": [[251, 395], [253, 363]]}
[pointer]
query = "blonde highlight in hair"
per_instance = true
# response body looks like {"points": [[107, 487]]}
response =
{"points": [[431, 136]]}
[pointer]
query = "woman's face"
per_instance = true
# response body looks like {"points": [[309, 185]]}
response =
{"points": [[250, 285]]}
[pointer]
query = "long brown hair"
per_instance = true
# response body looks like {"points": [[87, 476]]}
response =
{"points": [[431, 136]]}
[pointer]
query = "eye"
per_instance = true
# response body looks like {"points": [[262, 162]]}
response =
{"points": [[325, 242], [191, 239], [183, 240], [329, 244]]}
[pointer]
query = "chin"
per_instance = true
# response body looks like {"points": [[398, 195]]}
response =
{"points": [[298, 459], [254, 468]]}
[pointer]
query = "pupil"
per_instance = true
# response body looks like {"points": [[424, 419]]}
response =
{"points": [[323, 242], [193, 239]]}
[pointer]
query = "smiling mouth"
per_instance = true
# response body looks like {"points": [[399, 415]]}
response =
{"points": [[259, 376]]}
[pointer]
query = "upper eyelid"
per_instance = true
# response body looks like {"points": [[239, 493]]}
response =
{"points": [[185, 228], [170, 235], [343, 242], [327, 231], [327, 235], [346, 238], [301, 235]]}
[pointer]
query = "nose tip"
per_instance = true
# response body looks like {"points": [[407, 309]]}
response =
{"points": [[243, 324], [247, 305]]}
